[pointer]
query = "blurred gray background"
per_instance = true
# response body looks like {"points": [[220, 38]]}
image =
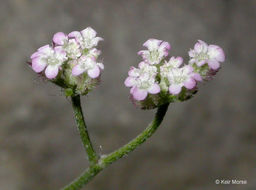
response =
{"points": [[212, 136]]}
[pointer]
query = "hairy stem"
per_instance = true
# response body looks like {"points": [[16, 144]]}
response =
{"points": [[93, 158], [106, 160]]}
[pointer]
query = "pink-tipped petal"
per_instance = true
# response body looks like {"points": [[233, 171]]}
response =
{"points": [[142, 52], [190, 83], [139, 94], [45, 50], [216, 52], [154, 89], [175, 89], [166, 45], [179, 61], [188, 69], [94, 73], [89, 33], [77, 70], [51, 71], [129, 82], [38, 64], [59, 38], [197, 77], [152, 44], [34, 55], [214, 64], [141, 64], [75, 34], [198, 47]]}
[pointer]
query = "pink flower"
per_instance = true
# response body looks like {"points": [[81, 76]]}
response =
{"points": [[142, 81], [157, 50], [88, 65], [86, 38], [203, 54], [49, 58], [60, 38], [181, 77], [174, 62]]}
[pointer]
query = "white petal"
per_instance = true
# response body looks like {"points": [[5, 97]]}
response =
{"points": [[59, 38], [154, 89], [88, 33], [214, 64], [38, 64], [175, 89], [139, 94], [94, 73], [51, 71], [77, 70], [129, 82]]}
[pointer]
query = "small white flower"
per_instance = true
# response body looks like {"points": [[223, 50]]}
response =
{"points": [[210, 54], [179, 77], [157, 50], [49, 58], [72, 49], [89, 65], [70, 46], [86, 38], [171, 64], [142, 81]]}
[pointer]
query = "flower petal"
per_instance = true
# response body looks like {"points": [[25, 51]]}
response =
{"points": [[77, 70], [38, 64], [88, 33], [100, 65], [214, 64], [76, 35], [96, 40], [139, 94], [152, 44], [165, 45], [216, 52], [154, 89], [129, 82], [51, 71], [197, 77], [94, 73], [175, 89], [190, 83], [59, 38], [34, 55], [47, 50]]}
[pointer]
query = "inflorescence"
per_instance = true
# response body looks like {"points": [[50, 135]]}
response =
{"points": [[160, 79], [71, 61]]}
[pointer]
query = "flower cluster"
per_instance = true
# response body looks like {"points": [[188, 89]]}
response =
{"points": [[159, 79], [71, 61]]}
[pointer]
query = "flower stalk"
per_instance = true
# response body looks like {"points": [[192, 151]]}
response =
{"points": [[106, 160], [82, 128]]}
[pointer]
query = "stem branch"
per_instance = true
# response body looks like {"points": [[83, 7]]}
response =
{"points": [[106, 160], [93, 158]]}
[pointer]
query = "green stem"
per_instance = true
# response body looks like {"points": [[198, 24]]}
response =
{"points": [[93, 158], [106, 160]]}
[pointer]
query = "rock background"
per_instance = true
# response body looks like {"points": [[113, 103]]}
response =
{"points": [[212, 136]]}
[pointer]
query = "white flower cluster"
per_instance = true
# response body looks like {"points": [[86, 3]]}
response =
{"points": [[162, 80], [75, 54]]}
